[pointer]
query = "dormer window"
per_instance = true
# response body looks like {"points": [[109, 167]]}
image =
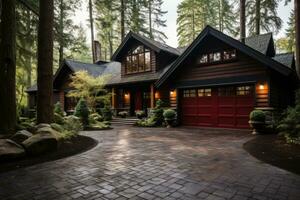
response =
{"points": [[215, 57], [229, 54], [138, 60], [204, 59]]}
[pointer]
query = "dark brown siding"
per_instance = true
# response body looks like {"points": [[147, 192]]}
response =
{"points": [[242, 67]]}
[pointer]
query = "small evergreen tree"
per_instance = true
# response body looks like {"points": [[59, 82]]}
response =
{"points": [[58, 109], [82, 111]]}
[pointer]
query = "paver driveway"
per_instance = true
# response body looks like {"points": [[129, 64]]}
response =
{"points": [[138, 163]]}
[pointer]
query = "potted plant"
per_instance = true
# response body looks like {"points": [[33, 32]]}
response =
{"points": [[123, 114], [257, 121], [169, 116], [140, 114]]}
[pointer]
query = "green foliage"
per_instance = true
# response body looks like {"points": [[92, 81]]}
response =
{"points": [[90, 88], [291, 33], [194, 15], [269, 20], [95, 117], [72, 124], [169, 114], [123, 114], [58, 119], [258, 115], [289, 126], [58, 109], [140, 114], [156, 117], [82, 111], [106, 113], [57, 127]]}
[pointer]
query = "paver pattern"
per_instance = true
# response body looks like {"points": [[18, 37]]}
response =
{"points": [[139, 163]]}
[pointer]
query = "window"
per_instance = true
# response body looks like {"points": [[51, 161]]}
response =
{"points": [[218, 56], [226, 91], [204, 59], [244, 90], [138, 60], [215, 57], [189, 93], [229, 54], [204, 92]]}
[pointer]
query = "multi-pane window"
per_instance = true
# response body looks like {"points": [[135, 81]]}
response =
{"points": [[229, 54], [218, 56], [244, 90], [226, 91], [189, 93], [138, 60], [204, 92]]}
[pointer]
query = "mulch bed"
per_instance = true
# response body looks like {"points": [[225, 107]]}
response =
{"points": [[67, 148], [273, 150]]}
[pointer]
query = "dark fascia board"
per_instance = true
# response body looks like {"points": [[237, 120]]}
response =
{"points": [[132, 35], [233, 42], [65, 63]]}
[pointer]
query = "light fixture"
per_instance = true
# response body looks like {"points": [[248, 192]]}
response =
{"points": [[126, 94], [172, 92], [261, 86]]}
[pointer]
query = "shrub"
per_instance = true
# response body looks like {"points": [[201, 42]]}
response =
{"points": [[169, 114], [82, 111], [58, 110], [140, 114], [155, 118], [106, 113], [58, 119], [57, 127], [72, 124], [258, 115], [95, 117], [123, 114]]}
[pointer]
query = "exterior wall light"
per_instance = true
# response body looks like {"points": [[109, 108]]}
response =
{"points": [[261, 86]]}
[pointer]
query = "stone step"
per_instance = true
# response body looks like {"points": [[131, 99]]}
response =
{"points": [[124, 121]]}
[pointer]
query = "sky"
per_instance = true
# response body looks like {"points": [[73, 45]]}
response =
{"points": [[82, 16]]}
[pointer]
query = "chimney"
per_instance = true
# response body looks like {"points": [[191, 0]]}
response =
{"points": [[97, 49]]}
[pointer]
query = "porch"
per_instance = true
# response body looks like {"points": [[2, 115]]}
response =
{"points": [[140, 97]]}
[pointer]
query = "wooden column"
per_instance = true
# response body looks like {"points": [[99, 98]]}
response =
{"points": [[152, 94], [113, 99]]}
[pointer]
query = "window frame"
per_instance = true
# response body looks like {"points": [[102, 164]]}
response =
{"points": [[210, 57], [135, 52]]}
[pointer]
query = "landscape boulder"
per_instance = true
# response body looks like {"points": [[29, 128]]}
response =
{"points": [[9, 150], [45, 140], [20, 136], [42, 125]]}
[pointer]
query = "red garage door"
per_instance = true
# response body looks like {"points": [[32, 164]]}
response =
{"points": [[217, 107]]}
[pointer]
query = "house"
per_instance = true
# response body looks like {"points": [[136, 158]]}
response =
{"points": [[215, 82]]}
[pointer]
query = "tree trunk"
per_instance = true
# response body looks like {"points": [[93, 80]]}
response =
{"points": [[242, 20], [257, 17], [122, 20], [8, 67], [297, 21], [150, 19], [45, 62], [61, 33], [92, 29]]}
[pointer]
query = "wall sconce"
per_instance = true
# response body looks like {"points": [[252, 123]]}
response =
{"points": [[126, 94], [261, 86], [172, 92], [156, 95]]}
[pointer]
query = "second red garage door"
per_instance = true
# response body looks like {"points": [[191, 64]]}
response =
{"points": [[217, 107]]}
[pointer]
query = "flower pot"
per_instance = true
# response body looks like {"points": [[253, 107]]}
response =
{"points": [[258, 127], [169, 122]]}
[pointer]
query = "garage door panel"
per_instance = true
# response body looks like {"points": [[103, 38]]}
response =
{"points": [[227, 108]]}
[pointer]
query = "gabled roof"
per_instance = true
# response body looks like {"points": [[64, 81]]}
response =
{"points": [[265, 60], [286, 59], [154, 45], [263, 43]]}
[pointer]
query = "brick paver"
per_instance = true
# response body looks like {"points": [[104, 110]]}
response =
{"points": [[139, 163]]}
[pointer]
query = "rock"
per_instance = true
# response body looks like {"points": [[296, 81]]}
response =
{"points": [[10, 150], [46, 140], [39, 126], [20, 136]]}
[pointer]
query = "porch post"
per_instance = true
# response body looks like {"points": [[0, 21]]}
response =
{"points": [[113, 98], [152, 94]]}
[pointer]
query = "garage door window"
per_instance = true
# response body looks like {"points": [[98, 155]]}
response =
{"points": [[204, 92], [189, 93], [244, 90], [226, 91]]}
